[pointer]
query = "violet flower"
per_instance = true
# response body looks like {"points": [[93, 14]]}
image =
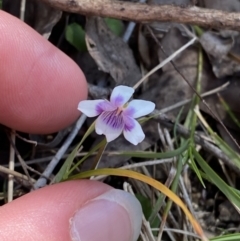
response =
{"points": [[117, 115]]}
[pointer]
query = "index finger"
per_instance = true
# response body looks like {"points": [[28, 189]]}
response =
{"points": [[40, 87]]}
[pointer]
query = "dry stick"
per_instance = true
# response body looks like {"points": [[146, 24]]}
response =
{"points": [[22, 162], [181, 130], [36, 172], [184, 102], [186, 197], [51, 166], [26, 140], [11, 167], [139, 12], [15, 174], [171, 176], [198, 95], [178, 231], [164, 62], [22, 10], [46, 159]]}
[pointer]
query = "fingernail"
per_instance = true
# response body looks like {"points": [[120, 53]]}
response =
{"points": [[114, 216]]}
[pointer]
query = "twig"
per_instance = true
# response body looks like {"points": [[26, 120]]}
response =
{"points": [[36, 172], [11, 167], [15, 174], [181, 130], [168, 183], [22, 10], [164, 62], [48, 171], [178, 231], [186, 197], [184, 102], [22, 162], [26, 140], [139, 12]]}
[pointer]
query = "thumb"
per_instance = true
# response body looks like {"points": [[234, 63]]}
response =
{"points": [[76, 210]]}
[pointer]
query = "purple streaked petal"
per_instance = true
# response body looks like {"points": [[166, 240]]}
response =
{"points": [[105, 105], [138, 108], [89, 107], [110, 124], [120, 95], [132, 130]]}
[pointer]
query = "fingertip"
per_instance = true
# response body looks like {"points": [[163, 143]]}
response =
{"points": [[114, 215], [40, 87], [45, 214], [69, 210]]}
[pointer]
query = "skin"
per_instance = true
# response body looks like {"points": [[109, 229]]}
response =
{"points": [[40, 88], [44, 214]]}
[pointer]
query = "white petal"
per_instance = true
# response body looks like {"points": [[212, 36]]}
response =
{"points": [[133, 131], [138, 108], [110, 124], [93, 108], [120, 95]]}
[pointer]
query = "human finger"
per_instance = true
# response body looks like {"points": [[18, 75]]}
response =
{"points": [[76, 210], [40, 87]]}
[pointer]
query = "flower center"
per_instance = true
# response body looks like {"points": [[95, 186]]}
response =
{"points": [[121, 108], [112, 119]]}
